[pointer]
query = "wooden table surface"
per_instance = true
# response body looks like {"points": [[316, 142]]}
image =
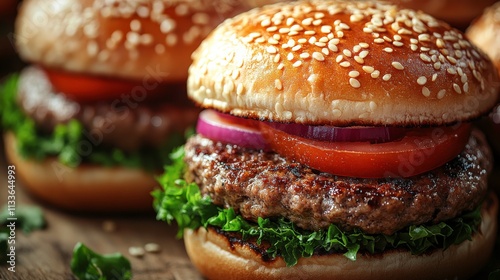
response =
{"points": [[46, 254]]}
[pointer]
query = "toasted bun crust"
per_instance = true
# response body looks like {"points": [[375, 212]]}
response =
{"points": [[86, 188], [342, 63], [216, 257], [118, 38], [485, 33], [459, 13]]}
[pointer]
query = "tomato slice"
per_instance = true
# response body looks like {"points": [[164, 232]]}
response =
{"points": [[87, 88], [421, 150]]}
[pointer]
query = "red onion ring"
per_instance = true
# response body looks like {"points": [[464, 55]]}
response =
{"points": [[229, 129], [343, 134]]}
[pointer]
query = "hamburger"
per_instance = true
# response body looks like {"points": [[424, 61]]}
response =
{"points": [[91, 121], [335, 144], [484, 32]]}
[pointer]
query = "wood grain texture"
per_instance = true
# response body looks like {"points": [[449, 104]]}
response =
{"points": [[46, 254]]}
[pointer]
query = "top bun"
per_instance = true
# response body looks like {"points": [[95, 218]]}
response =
{"points": [[342, 63], [485, 33], [125, 39]]}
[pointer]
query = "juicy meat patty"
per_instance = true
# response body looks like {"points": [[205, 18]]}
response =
{"points": [[124, 123], [265, 184]]}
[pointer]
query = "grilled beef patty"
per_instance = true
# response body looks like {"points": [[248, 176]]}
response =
{"points": [[265, 184], [126, 123]]}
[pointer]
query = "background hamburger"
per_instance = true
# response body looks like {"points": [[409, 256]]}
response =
{"points": [[336, 146], [96, 114], [485, 33], [458, 13]]}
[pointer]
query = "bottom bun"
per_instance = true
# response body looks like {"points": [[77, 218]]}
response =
{"points": [[86, 188], [218, 257]]}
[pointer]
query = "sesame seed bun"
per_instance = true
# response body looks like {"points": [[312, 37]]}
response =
{"points": [[342, 63], [485, 33], [210, 251], [117, 38], [459, 13], [86, 188]]}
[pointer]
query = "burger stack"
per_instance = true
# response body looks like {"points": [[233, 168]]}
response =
{"points": [[336, 143]]}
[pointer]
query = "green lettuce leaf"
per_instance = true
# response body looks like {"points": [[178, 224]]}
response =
{"points": [[65, 141], [88, 265], [29, 218], [182, 202]]}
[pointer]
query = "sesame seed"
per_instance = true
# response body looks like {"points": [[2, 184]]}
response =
{"points": [[368, 69], [265, 23], [136, 251], [457, 88], [284, 30], [296, 48], [451, 70], [413, 47], [356, 17], [388, 50], [434, 77], [339, 58], [318, 56], [278, 84], [277, 58], [466, 87], [397, 44], [379, 40], [398, 65], [135, 25], [375, 74], [272, 50], [356, 48], [333, 47], [422, 80], [386, 77], [440, 43], [354, 83], [463, 78], [437, 65], [297, 63], [359, 59], [304, 55], [426, 92], [353, 74], [272, 41], [424, 37], [325, 51], [307, 21], [363, 54], [367, 30], [425, 57], [345, 64], [364, 45], [347, 53], [152, 248], [452, 60], [441, 94], [326, 29], [289, 56]]}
